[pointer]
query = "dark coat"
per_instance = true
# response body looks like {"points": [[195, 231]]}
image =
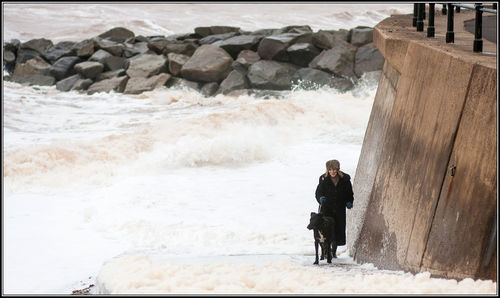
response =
{"points": [[336, 199]]}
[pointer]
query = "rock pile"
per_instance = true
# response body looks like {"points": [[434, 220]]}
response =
{"points": [[212, 60]]}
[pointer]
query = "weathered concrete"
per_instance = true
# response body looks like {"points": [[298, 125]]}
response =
{"points": [[435, 108]]}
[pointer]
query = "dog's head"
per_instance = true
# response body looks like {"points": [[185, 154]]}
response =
{"points": [[315, 221]]}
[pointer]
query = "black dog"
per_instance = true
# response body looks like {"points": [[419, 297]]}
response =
{"points": [[324, 227]]}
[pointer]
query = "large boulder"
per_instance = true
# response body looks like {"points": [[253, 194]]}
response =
{"points": [[158, 44], [244, 60], [85, 48], [302, 53], [64, 67], [274, 75], [274, 47], [24, 55], [234, 81], [368, 58], [209, 63], [89, 69], [40, 45], [114, 63], [9, 61], [311, 79], [175, 63], [82, 84], [68, 83], [236, 44], [326, 39], [61, 49], [339, 60], [146, 65], [114, 84], [34, 66], [34, 72], [136, 85], [116, 49], [100, 56], [118, 34], [361, 36], [185, 47]]}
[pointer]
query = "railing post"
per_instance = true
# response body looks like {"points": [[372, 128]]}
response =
{"points": [[415, 5], [430, 27], [420, 20], [423, 9], [457, 9], [443, 10], [478, 32], [494, 6], [450, 35]]}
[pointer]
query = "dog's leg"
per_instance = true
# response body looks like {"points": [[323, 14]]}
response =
{"points": [[334, 249], [316, 261], [328, 252], [322, 251]]}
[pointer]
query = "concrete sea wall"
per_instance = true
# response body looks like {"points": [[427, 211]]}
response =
{"points": [[426, 182]]}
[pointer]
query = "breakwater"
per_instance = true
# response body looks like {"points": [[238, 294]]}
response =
{"points": [[211, 60]]}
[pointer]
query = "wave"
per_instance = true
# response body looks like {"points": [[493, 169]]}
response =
{"points": [[175, 129]]}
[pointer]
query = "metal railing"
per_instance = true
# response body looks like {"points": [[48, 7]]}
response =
{"points": [[447, 9]]}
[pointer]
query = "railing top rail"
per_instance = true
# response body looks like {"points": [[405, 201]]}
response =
{"points": [[473, 8]]}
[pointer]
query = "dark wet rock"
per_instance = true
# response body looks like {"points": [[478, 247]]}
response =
{"points": [[175, 63], [110, 74], [368, 58], [137, 85], [209, 89], [158, 44], [34, 72], [118, 34], [82, 84], [89, 69], [146, 65], [244, 60], [361, 36], [236, 44], [9, 61], [234, 81], [114, 63], [62, 49], [311, 79], [339, 60], [216, 37], [85, 49], [34, 66], [300, 29], [274, 47], [68, 83], [343, 84], [114, 48], [24, 55], [274, 75], [12, 45], [302, 53], [209, 63], [181, 47], [114, 84], [100, 56], [40, 45], [64, 67]]}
